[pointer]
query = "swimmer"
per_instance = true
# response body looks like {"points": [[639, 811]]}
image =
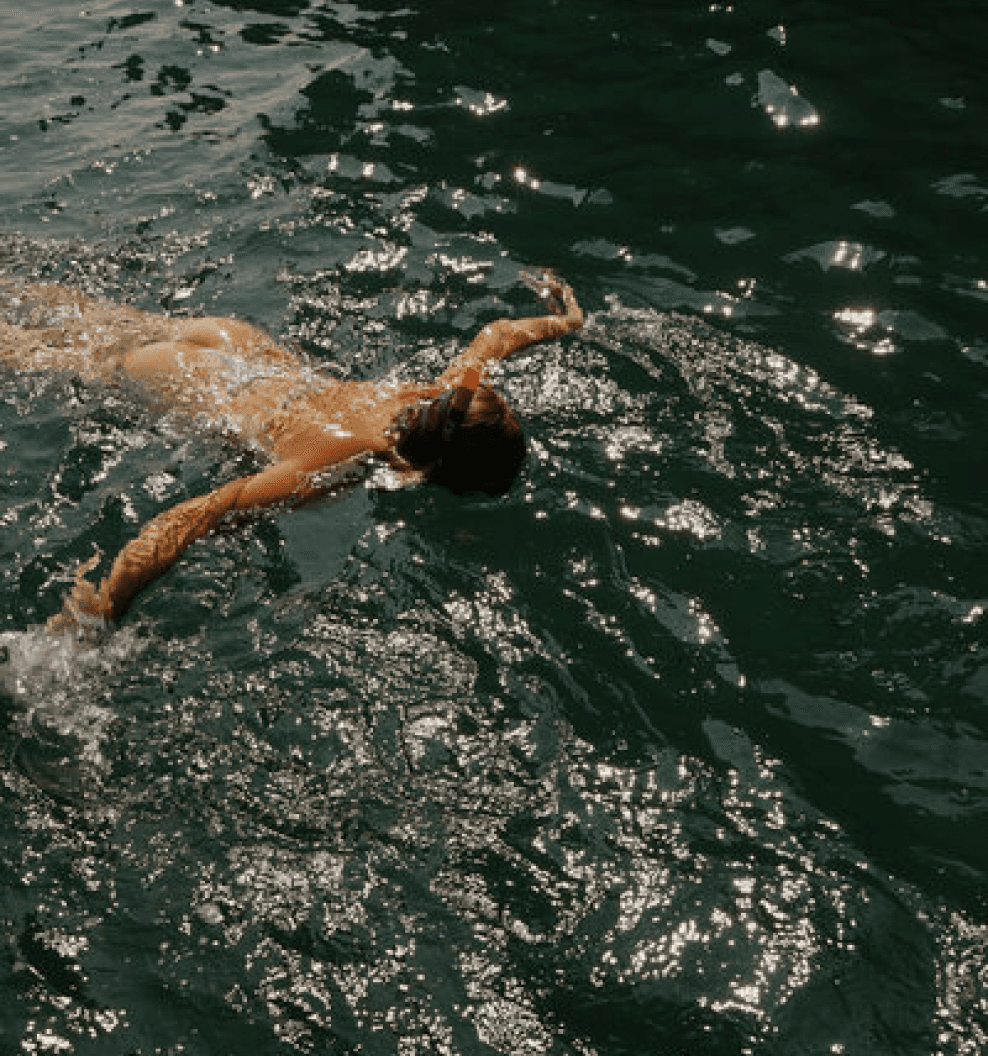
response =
{"points": [[454, 431]]}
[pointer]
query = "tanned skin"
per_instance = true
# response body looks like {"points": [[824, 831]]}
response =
{"points": [[306, 430]]}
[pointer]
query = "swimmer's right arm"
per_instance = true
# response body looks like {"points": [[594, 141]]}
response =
{"points": [[163, 540]]}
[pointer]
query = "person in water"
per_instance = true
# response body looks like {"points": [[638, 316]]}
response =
{"points": [[454, 431]]}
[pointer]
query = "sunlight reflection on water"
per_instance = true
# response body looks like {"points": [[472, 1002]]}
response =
{"points": [[680, 745]]}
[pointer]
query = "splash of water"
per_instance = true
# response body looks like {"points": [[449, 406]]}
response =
{"points": [[59, 684]]}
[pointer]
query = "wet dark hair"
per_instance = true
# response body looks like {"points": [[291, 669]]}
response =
{"points": [[483, 452]]}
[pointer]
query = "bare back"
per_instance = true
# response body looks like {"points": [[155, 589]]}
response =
{"points": [[227, 374]]}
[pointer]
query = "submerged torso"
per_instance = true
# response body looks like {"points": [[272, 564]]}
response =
{"points": [[226, 374]]}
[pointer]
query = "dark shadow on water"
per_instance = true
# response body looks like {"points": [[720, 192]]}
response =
{"points": [[279, 8], [60, 973], [51, 762], [626, 1020], [330, 116]]}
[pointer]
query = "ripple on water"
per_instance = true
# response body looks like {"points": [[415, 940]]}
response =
{"points": [[677, 747], [511, 770]]}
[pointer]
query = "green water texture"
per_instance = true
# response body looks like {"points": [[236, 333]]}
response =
{"points": [[679, 748]]}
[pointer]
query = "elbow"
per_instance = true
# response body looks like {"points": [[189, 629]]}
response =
{"points": [[500, 338], [574, 313]]}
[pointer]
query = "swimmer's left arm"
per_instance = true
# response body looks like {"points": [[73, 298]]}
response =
{"points": [[503, 337], [163, 540]]}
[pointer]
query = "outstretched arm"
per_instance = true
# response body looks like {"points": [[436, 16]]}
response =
{"points": [[163, 540], [504, 336]]}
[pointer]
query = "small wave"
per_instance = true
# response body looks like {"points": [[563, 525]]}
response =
{"points": [[59, 685]]}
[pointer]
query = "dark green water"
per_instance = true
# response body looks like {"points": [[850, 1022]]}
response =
{"points": [[682, 747]]}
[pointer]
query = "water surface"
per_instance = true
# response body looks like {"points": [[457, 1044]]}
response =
{"points": [[681, 746]]}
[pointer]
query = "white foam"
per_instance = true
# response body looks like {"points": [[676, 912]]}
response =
{"points": [[59, 682]]}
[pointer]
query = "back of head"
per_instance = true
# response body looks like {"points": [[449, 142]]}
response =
{"points": [[484, 453]]}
